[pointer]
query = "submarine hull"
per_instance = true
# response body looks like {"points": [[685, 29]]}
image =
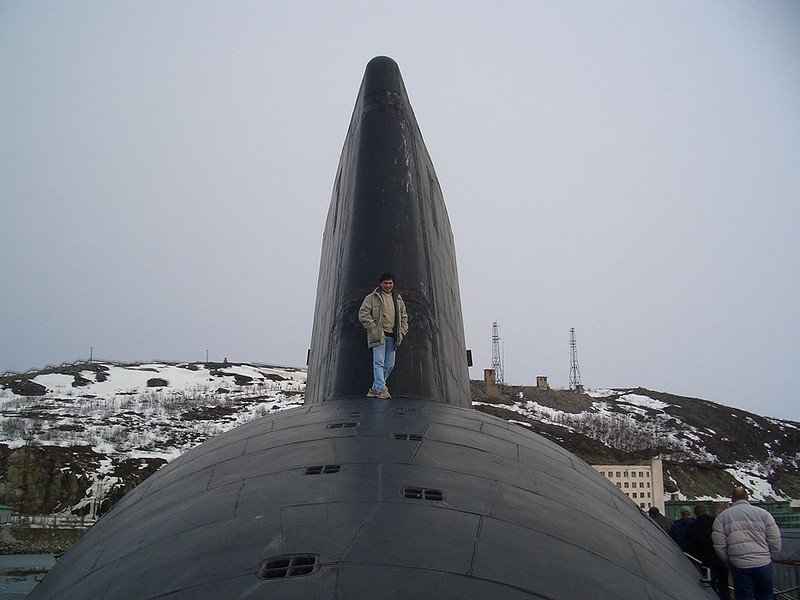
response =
{"points": [[375, 499]]}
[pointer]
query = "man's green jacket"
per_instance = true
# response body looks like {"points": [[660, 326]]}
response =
{"points": [[370, 316]]}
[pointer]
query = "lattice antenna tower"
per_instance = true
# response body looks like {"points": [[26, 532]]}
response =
{"points": [[574, 370], [497, 357]]}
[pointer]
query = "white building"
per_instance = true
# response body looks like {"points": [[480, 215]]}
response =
{"points": [[644, 484]]}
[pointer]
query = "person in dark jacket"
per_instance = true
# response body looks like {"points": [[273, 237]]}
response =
{"points": [[681, 526], [662, 521], [700, 545]]}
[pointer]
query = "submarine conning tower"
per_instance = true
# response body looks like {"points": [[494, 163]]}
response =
{"points": [[387, 213]]}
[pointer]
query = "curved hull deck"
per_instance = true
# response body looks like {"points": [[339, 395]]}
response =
{"points": [[369, 498]]}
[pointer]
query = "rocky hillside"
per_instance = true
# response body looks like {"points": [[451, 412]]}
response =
{"points": [[74, 439], [707, 448]]}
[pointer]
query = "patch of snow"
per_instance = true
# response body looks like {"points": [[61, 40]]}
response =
{"points": [[133, 379], [168, 455], [753, 476], [55, 382], [644, 401], [601, 393], [601, 406], [104, 448], [106, 466]]}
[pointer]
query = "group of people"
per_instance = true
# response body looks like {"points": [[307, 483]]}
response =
{"points": [[743, 539]]}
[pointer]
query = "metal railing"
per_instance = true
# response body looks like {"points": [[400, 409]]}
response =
{"points": [[53, 521], [786, 579]]}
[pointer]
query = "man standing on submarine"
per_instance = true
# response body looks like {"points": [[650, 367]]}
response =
{"points": [[383, 314]]}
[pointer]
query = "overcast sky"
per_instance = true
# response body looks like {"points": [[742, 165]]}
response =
{"points": [[630, 169]]}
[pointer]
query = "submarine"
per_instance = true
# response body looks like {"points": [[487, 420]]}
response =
{"points": [[352, 497]]}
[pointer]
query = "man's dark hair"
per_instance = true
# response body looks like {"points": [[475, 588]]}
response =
{"points": [[653, 511], [385, 277]]}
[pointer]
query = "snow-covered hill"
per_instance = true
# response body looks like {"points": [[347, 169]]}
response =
{"points": [[154, 410], [102, 428], [74, 439], [706, 447]]}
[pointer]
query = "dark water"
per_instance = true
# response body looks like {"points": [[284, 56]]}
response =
{"points": [[19, 573]]}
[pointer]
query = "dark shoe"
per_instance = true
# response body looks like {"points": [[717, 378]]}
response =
{"points": [[372, 394]]}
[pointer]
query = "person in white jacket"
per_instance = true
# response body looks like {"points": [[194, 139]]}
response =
{"points": [[748, 539]]}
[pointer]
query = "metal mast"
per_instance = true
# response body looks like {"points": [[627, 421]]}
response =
{"points": [[497, 359], [574, 371]]}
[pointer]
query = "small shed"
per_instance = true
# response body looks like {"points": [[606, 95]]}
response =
{"points": [[5, 513]]}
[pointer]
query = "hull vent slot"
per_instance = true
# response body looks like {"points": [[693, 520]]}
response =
{"points": [[323, 469], [288, 565], [418, 493]]}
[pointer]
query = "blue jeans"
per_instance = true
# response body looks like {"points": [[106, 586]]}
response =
{"points": [[382, 363], [752, 584]]}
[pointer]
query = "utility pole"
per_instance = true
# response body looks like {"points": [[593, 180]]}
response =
{"points": [[574, 371], [497, 358], [28, 436]]}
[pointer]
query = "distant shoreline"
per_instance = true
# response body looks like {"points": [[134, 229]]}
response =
{"points": [[15, 539]]}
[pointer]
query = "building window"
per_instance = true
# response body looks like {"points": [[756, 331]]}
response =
{"points": [[641, 484], [641, 474], [633, 473], [626, 484], [648, 484], [618, 475], [648, 494], [634, 495], [625, 473], [619, 484], [641, 504], [647, 474]]}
